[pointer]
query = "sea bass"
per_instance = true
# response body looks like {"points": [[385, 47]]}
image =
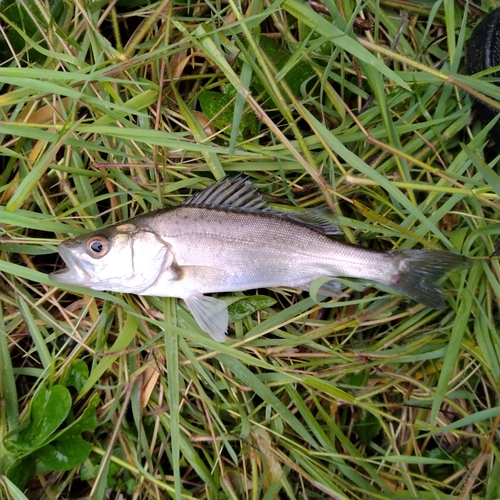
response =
{"points": [[226, 239]]}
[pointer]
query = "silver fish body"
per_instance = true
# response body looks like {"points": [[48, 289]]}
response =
{"points": [[225, 239]]}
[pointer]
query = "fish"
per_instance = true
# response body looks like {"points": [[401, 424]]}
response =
{"points": [[226, 238]]}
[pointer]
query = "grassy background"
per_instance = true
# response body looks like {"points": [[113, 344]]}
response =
{"points": [[111, 109]]}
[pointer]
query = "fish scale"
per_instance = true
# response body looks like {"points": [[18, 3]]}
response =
{"points": [[226, 239]]}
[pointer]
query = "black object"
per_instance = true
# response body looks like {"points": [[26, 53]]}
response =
{"points": [[483, 52]]}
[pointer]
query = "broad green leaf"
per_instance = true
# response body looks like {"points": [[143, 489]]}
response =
{"points": [[49, 409], [21, 471], [77, 374], [248, 305], [69, 450]]}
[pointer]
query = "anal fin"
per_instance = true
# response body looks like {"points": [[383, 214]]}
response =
{"points": [[210, 314], [329, 289]]}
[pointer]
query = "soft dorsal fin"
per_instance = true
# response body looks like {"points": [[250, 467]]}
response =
{"points": [[319, 219], [237, 194]]}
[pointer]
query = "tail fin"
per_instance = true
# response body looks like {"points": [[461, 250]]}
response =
{"points": [[421, 273]]}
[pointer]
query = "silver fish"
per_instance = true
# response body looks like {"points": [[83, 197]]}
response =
{"points": [[226, 239]]}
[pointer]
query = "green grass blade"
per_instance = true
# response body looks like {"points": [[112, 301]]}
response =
{"points": [[8, 391], [172, 351], [125, 338], [452, 351]]}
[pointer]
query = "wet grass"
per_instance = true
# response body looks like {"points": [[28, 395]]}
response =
{"points": [[110, 112]]}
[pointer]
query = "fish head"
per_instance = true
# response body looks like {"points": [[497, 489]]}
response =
{"points": [[120, 258]]}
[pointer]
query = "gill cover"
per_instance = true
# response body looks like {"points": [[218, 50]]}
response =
{"points": [[119, 258]]}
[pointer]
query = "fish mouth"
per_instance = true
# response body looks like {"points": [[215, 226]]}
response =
{"points": [[76, 272]]}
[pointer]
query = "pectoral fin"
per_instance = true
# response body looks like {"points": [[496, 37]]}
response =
{"points": [[210, 314]]}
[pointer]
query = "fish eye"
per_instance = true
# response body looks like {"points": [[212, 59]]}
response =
{"points": [[98, 246]]}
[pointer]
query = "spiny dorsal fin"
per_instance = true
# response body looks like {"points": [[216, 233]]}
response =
{"points": [[237, 194]]}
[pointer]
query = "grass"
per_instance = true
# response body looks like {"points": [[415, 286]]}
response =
{"points": [[116, 109]]}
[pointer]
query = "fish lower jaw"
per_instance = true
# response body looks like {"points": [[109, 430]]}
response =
{"points": [[69, 277]]}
